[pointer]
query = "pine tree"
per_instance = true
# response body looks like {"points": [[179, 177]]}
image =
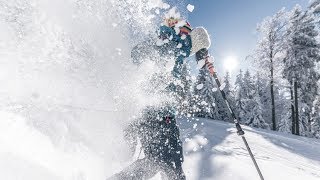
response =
{"points": [[204, 99], [247, 96], [239, 96], [227, 84], [284, 108], [248, 85], [315, 128], [263, 89], [268, 51], [185, 91], [314, 7], [244, 92], [285, 123], [254, 107], [230, 97], [302, 53]]}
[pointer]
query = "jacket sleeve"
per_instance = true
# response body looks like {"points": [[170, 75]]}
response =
{"points": [[166, 32]]}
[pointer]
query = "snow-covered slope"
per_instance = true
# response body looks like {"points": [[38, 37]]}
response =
{"points": [[213, 150]]}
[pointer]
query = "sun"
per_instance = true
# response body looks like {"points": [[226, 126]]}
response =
{"points": [[230, 63]]}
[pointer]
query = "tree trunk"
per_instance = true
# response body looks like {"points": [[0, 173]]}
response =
{"points": [[293, 127], [274, 125], [309, 124], [296, 107]]}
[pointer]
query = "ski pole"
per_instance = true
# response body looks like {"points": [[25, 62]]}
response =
{"points": [[240, 131]]}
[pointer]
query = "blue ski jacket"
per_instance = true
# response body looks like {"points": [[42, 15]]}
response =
{"points": [[179, 45], [170, 44]]}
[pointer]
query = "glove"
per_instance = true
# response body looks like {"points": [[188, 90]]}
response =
{"points": [[204, 60], [201, 54]]}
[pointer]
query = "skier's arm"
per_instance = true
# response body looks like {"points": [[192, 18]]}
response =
{"points": [[166, 33], [167, 41]]}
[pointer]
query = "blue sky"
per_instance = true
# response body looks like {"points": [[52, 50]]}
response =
{"points": [[232, 23]]}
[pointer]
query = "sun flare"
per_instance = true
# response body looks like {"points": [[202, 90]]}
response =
{"points": [[230, 63]]}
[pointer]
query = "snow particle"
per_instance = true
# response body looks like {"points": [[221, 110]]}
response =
{"points": [[159, 42], [204, 103], [222, 86], [195, 126], [177, 30], [173, 12], [190, 7], [166, 41], [214, 89], [119, 51], [165, 6], [199, 86], [183, 53]]}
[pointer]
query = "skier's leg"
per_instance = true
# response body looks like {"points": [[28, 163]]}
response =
{"points": [[140, 169], [179, 173], [173, 172]]}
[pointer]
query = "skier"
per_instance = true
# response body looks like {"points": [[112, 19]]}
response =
{"points": [[156, 127]]}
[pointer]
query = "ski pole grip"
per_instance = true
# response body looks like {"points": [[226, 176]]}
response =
{"points": [[240, 132], [202, 54]]}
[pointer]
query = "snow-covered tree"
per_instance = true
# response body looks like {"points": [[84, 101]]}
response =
{"points": [[227, 84], [254, 113], [268, 50], [185, 90], [285, 107], [263, 88], [248, 85], [315, 127], [239, 96], [254, 107], [302, 53], [244, 87], [228, 90], [285, 123], [314, 7], [248, 100], [204, 98]]}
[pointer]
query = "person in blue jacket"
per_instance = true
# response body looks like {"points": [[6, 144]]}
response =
{"points": [[156, 128]]}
